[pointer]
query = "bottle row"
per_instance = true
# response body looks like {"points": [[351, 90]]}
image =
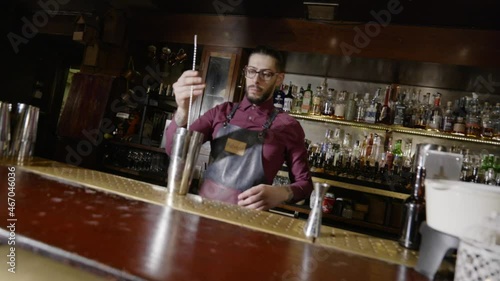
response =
{"points": [[381, 159], [463, 117], [374, 158]]}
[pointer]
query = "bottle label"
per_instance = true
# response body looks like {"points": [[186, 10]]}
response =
{"points": [[316, 100], [370, 116]]}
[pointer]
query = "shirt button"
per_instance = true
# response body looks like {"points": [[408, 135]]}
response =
{"points": [[249, 117]]}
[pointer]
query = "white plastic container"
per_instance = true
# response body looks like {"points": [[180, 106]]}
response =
{"points": [[453, 206]]}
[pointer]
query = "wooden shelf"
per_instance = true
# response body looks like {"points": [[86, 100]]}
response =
{"points": [[355, 187], [138, 146], [394, 128], [334, 218]]}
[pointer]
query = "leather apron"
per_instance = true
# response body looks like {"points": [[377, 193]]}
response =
{"points": [[236, 166]]}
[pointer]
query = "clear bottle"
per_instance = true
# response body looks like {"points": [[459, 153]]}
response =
{"points": [[414, 212], [466, 171], [448, 118], [361, 107], [496, 121], [328, 103], [435, 115], [421, 112], [287, 106], [317, 100], [378, 105], [400, 110], [297, 102], [339, 111], [371, 112], [487, 127], [409, 117], [306, 100], [350, 107]]}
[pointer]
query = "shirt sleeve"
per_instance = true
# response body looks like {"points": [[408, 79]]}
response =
{"points": [[205, 125], [298, 166]]}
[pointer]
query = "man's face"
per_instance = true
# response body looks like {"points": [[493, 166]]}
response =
{"points": [[259, 90]]}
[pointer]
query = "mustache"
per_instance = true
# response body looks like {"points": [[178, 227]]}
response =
{"points": [[254, 87]]}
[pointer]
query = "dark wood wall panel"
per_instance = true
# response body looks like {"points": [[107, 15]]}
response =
{"points": [[426, 44]]}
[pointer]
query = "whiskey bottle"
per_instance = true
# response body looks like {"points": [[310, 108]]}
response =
{"points": [[306, 100], [414, 212]]}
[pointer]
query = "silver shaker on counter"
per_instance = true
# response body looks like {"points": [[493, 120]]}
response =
{"points": [[185, 149]]}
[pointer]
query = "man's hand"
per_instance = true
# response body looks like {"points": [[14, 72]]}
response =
{"points": [[182, 91], [264, 197]]}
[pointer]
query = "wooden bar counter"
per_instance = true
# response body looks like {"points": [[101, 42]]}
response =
{"points": [[118, 229]]}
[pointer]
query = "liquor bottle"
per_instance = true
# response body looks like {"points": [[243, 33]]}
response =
{"points": [[414, 212], [385, 111], [371, 112], [389, 156], [400, 110], [421, 111], [397, 153], [328, 103], [362, 105], [279, 97], [487, 122], [466, 170], [378, 105], [435, 115], [297, 102], [409, 119], [496, 122], [317, 101], [287, 106], [448, 119], [350, 107], [306, 100], [472, 122], [459, 127], [339, 111]]}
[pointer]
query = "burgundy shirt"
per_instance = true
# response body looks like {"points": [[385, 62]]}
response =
{"points": [[284, 141]]}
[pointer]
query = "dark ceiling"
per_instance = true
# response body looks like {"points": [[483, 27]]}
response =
{"points": [[480, 14]]}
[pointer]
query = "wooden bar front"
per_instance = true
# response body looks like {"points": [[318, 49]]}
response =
{"points": [[129, 239]]}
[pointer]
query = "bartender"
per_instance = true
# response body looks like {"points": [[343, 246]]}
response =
{"points": [[250, 140]]}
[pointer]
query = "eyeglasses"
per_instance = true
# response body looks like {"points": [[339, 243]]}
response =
{"points": [[264, 74]]}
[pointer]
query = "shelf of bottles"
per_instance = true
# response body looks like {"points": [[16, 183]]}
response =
{"points": [[465, 119]]}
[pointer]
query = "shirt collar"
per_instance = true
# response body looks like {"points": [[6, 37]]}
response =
{"points": [[266, 106]]}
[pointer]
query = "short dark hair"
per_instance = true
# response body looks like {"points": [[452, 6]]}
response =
{"points": [[278, 57]]}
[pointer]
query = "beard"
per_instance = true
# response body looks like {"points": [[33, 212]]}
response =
{"points": [[255, 99]]}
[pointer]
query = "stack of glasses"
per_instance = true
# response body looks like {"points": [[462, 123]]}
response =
{"points": [[24, 119]]}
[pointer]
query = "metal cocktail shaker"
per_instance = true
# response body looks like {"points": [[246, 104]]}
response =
{"points": [[185, 148]]}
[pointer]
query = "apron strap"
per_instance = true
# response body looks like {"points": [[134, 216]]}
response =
{"points": [[231, 114], [268, 123]]}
